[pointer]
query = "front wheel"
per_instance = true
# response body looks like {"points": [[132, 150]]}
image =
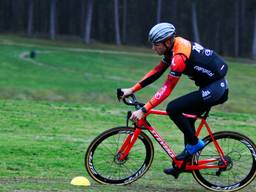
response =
{"points": [[240, 155], [102, 158]]}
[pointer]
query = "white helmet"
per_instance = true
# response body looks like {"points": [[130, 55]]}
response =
{"points": [[161, 32]]}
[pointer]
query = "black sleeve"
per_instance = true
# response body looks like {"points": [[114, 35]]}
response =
{"points": [[153, 77]]}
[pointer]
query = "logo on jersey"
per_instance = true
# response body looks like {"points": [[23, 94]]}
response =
{"points": [[160, 93], [203, 70], [205, 93], [200, 49], [197, 47], [208, 52]]}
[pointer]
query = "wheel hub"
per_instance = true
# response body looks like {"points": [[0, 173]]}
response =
{"points": [[227, 167], [118, 161]]}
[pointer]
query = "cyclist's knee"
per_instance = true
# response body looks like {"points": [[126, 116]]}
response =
{"points": [[170, 109]]}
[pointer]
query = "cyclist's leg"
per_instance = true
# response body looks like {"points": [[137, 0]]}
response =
{"points": [[196, 103], [190, 103], [192, 121]]}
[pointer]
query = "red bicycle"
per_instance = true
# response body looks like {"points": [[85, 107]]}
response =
{"points": [[122, 155]]}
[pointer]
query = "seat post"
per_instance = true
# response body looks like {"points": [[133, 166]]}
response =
{"points": [[206, 114]]}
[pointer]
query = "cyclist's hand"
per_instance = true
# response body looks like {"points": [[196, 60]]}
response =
{"points": [[136, 115], [126, 92]]}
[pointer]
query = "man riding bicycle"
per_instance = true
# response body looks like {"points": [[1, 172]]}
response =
{"points": [[201, 65]]}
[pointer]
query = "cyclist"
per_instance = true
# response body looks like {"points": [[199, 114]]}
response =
{"points": [[202, 65]]}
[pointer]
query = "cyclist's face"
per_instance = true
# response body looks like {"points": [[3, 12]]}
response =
{"points": [[159, 48]]}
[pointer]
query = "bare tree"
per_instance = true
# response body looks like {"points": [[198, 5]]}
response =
{"points": [[88, 22], [30, 17], [194, 22], [236, 40], [116, 17], [82, 15], [243, 20], [174, 10], [254, 38], [53, 19], [158, 11], [124, 26]]}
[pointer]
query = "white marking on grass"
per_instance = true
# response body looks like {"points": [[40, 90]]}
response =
{"points": [[80, 49], [25, 56]]}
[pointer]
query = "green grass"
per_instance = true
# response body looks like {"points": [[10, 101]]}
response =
{"points": [[53, 106]]}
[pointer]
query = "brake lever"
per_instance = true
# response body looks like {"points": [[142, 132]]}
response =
{"points": [[129, 114], [119, 93]]}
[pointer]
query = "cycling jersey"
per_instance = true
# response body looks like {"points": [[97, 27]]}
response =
{"points": [[202, 65]]}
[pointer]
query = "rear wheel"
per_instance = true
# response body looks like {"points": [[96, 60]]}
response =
{"points": [[240, 153], [102, 158]]}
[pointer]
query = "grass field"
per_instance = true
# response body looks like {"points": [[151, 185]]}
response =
{"points": [[54, 105]]}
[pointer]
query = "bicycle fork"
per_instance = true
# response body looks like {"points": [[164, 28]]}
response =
{"points": [[128, 144]]}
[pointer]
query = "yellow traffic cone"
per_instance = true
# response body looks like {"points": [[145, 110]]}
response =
{"points": [[80, 181]]}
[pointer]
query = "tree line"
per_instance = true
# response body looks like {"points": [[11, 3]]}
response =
{"points": [[229, 26]]}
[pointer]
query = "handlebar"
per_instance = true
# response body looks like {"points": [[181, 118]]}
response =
{"points": [[129, 100]]}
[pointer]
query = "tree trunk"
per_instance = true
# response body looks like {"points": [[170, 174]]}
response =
{"points": [[158, 11], [116, 17], [254, 38], [124, 26], [30, 18], [174, 11], [217, 45], [82, 15], [236, 40], [88, 22], [53, 19], [243, 19], [194, 22]]}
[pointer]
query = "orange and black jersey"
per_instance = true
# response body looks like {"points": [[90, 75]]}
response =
{"points": [[202, 65]]}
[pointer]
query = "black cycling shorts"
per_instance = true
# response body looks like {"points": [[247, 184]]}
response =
{"points": [[215, 93]]}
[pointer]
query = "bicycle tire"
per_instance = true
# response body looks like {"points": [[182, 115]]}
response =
{"points": [[100, 157], [240, 152]]}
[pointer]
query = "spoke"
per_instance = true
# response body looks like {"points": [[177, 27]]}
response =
{"points": [[119, 175], [235, 177], [131, 172], [209, 174], [246, 172], [117, 146], [106, 147], [137, 148], [104, 161], [217, 182], [248, 158], [228, 145], [238, 145], [243, 166], [121, 138], [133, 165], [228, 178]]}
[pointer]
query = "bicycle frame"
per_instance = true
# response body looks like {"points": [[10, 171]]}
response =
{"points": [[143, 124]]}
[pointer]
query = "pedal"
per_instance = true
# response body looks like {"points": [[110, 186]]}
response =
{"points": [[176, 173], [173, 171], [218, 173]]}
